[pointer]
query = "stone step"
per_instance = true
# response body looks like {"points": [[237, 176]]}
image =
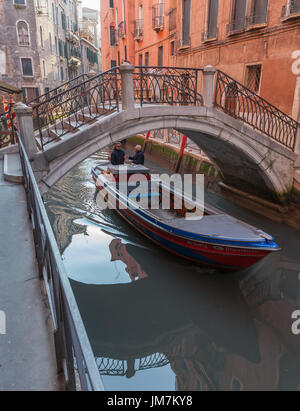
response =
{"points": [[12, 169], [71, 125], [85, 117]]}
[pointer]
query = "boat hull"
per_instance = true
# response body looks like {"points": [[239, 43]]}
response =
{"points": [[224, 257], [216, 256]]}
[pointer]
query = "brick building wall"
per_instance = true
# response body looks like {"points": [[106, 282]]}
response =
{"points": [[269, 45], [117, 45], [253, 44]]}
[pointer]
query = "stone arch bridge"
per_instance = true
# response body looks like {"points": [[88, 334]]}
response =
{"points": [[252, 142]]}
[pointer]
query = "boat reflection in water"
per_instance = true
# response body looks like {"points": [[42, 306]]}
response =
{"points": [[211, 340]]}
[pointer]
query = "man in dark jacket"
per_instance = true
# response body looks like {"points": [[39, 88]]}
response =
{"points": [[117, 157], [138, 158]]}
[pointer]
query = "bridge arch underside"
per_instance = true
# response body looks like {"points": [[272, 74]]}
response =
{"points": [[248, 160]]}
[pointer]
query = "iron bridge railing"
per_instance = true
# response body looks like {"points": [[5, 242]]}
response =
{"points": [[57, 90], [74, 354], [242, 103], [101, 95], [167, 85], [121, 368], [80, 104]]}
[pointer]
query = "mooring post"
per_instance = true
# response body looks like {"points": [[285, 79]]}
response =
{"points": [[126, 71], [208, 85], [146, 141], [25, 128], [183, 144]]}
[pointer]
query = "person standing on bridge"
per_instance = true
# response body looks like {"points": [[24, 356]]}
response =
{"points": [[139, 157], [117, 157]]}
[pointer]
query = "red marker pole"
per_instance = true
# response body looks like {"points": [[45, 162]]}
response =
{"points": [[183, 143], [146, 141]]}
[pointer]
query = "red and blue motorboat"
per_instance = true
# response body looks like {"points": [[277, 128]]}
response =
{"points": [[213, 239]]}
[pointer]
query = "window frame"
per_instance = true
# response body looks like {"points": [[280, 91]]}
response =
{"points": [[172, 48], [250, 14], [32, 69], [160, 56], [112, 41], [18, 38], [233, 30], [205, 37], [184, 44], [42, 37], [249, 65], [287, 13], [20, 5]]}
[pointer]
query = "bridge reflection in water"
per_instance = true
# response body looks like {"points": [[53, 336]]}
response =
{"points": [[209, 332]]}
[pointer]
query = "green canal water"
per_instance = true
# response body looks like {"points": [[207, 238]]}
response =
{"points": [[157, 322]]}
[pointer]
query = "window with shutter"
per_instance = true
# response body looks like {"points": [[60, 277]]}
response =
{"points": [[259, 12], [26, 67], [239, 15], [160, 56], [186, 22], [212, 22], [112, 35]]}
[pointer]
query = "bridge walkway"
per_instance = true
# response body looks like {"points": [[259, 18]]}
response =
{"points": [[27, 357]]}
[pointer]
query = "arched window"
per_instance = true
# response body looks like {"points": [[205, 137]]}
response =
{"points": [[23, 33]]}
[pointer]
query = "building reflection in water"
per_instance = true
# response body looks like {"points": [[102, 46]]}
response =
{"points": [[119, 253]]}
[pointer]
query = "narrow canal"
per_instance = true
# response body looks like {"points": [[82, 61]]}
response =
{"points": [[156, 322]]}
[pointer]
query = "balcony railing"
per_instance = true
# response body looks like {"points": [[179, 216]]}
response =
{"points": [[122, 29], [158, 17], [138, 29], [172, 19]]}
